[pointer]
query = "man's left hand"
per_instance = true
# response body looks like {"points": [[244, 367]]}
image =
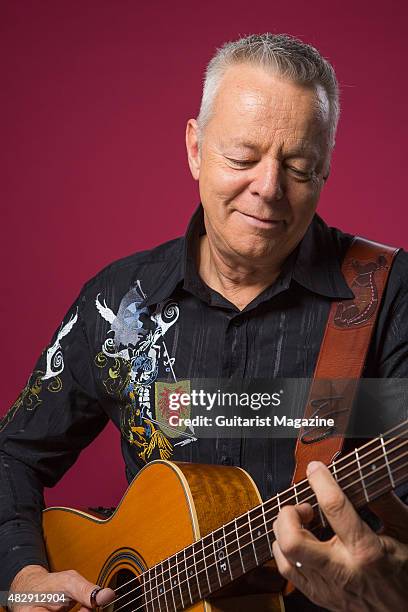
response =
{"points": [[357, 570]]}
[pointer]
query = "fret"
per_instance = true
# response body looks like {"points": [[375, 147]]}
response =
{"points": [[155, 593], [215, 559], [377, 469], [386, 462], [224, 555], [239, 546], [194, 588], [252, 540], [211, 565], [304, 493], [181, 575], [374, 470], [162, 586], [152, 593], [146, 591], [361, 475], [245, 543], [206, 568], [169, 588], [175, 582], [232, 548], [151, 590], [199, 565], [227, 556], [187, 579], [260, 539], [221, 560], [284, 498], [266, 530]]}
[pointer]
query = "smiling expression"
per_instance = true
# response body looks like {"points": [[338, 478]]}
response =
{"points": [[261, 164]]}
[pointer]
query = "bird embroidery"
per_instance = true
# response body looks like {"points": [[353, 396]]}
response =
{"points": [[55, 358]]}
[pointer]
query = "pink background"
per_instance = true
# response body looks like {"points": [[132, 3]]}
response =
{"points": [[95, 95]]}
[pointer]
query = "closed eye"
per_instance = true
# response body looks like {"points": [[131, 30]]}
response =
{"points": [[241, 163], [301, 174]]}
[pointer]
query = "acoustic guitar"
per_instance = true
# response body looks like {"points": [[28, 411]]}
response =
{"points": [[184, 533]]}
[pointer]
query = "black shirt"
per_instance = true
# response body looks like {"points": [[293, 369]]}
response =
{"points": [[150, 317]]}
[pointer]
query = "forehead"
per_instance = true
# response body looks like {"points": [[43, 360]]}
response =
{"points": [[253, 107]]}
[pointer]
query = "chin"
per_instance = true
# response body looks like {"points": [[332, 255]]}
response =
{"points": [[255, 251]]}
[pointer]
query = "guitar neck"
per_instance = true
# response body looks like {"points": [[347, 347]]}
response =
{"points": [[239, 546]]}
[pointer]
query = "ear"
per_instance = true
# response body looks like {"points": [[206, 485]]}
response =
{"points": [[193, 151]]}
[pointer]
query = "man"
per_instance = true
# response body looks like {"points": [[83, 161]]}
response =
{"points": [[245, 294]]}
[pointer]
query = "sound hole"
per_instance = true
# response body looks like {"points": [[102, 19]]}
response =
{"points": [[129, 595]]}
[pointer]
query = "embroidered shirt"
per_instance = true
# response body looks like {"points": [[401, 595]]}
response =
{"points": [[149, 318]]}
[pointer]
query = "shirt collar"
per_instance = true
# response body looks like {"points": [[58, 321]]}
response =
{"points": [[315, 264], [318, 262]]}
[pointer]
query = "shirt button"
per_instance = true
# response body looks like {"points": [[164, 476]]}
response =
{"points": [[237, 322], [226, 460]]}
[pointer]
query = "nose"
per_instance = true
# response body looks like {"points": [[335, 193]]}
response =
{"points": [[267, 183]]}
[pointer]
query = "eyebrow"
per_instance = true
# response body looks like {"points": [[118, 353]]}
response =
{"points": [[243, 145], [300, 151]]}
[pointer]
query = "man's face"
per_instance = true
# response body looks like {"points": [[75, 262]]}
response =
{"points": [[260, 169]]}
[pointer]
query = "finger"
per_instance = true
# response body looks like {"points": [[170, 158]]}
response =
{"points": [[295, 542], [305, 512], [288, 570], [80, 590], [338, 510], [104, 597]]}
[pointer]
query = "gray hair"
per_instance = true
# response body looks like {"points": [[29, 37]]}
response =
{"points": [[289, 57]]}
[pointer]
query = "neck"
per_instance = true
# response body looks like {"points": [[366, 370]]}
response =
{"points": [[234, 277], [234, 549]]}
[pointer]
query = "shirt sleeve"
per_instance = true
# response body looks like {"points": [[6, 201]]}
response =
{"points": [[56, 415]]}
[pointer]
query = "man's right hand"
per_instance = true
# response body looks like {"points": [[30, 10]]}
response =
{"points": [[36, 579]]}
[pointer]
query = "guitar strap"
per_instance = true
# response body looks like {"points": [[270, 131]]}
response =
{"points": [[343, 352]]}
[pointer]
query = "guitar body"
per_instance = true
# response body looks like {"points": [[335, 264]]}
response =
{"points": [[167, 507]]}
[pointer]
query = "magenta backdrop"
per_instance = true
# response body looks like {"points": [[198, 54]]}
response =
{"points": [[95, 95]]}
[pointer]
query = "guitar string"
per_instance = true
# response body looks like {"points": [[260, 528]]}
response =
{"points": [[240, 548], [248, 525], [346, 457], [268, 511], [373, 442], [266, 534], [234, 552], [267, 521]]}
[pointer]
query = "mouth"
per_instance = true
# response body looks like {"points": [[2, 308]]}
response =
{"points": [[263, 222]]}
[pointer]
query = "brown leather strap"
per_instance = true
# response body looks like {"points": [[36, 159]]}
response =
{"points": [[343, 352]]}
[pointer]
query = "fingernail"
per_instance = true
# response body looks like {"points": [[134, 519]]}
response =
{"points": [[312, 467]]}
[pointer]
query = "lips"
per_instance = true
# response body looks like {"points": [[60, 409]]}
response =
{"points": [[262, 219]]}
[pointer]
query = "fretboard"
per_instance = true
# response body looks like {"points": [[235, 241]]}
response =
{"points": [[236, 548]]}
